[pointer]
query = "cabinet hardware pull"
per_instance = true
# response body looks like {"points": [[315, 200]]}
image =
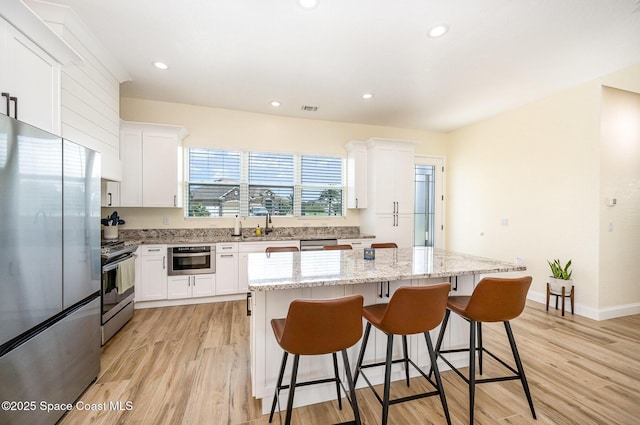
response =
{"points": [[109, 195], [227, 247], [7, 95], [387, 289], [154, 249], [380, 289], [226, 255], [164, 260], [15, 106], [248, 303], [356, 202], [175, 200]]}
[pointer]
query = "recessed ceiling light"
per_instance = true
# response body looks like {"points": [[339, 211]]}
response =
{"points": [[438, 30], [308, 4], [161, 65], [275, 103], [367, 96]]}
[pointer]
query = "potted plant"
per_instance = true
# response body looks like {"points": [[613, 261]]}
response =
{"points": [[561, 276]]}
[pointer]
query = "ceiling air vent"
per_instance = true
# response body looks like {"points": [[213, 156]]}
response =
{"points": [[309, 108]]}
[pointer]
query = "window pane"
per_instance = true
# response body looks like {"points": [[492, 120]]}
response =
{"points": [[277, 200], [321, 202], [270, 169], [321, 170], [213, 200], [212, 166]]}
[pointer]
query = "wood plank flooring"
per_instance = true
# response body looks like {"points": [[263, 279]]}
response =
{"points": [[190, 365]]}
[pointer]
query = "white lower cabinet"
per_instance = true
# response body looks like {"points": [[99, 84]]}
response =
{"points": [[227, 268], [151, 281], [191, 286]]}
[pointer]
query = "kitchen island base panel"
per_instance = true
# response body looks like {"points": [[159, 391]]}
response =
{"points": [[265, 351]]}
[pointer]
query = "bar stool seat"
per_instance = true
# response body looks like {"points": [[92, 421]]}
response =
{"points": [[410, 311], [493, 300], [315, 327]]}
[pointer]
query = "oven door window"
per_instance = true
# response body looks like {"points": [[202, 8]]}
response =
{"points": [[192, 262], [110, 295]]}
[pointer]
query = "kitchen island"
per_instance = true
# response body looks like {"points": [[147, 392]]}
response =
{"points": [[277, 279]]}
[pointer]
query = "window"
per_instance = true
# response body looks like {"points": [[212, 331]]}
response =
{"points": [[213, 186], [321, 185], [224, 183], [271, 184]]}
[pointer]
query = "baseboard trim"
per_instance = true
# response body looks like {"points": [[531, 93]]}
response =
{"points": [[591, 313]]}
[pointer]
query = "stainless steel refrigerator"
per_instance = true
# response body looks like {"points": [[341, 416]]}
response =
{"points": [[49, 272]]}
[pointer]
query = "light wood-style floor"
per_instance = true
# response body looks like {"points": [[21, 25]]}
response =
{"points": [[190, 365]]}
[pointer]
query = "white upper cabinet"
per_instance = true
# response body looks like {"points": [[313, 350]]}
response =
{"points": [[356, 174], [31, 78], [151, 157]]}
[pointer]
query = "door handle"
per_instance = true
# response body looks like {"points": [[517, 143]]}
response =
{"points": [[7, 95], [15, 106]]}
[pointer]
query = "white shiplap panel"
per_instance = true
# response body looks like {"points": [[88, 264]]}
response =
{"points": [[78, 121], [94, 111]]}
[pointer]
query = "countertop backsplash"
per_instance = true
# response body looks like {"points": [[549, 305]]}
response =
{"points": [[208, 235]]}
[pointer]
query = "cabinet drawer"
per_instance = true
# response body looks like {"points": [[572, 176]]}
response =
{"points": [[223, 247], [145, 250]]}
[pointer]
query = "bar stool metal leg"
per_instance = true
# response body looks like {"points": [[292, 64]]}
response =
{"points": [[363, 348], [292, 388], [278, 385], [387, 380], [352, 388], [335, 369], [472, 368], [516, 357], [434, 366], [479, 337], [406, 358]]}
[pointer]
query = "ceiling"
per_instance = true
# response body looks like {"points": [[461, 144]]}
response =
{"points": [[243, 54]]}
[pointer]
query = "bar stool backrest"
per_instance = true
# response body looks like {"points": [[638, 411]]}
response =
{"points": [[415, 309], [336, 247], [271, 249], [322, 326], [498, 299], [384, 245]]}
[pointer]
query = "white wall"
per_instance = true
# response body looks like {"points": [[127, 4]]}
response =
{"points": [[227, 129], [539, 168]]}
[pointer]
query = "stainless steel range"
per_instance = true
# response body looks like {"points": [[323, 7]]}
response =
{"points": [[118, 287]]}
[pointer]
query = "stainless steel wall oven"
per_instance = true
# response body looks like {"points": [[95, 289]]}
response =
{"points": [[192, 259]]}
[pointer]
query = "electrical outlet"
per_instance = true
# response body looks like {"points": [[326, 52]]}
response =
{"points": [[165, 220]]}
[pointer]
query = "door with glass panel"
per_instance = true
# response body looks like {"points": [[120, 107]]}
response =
{"points": [[428, 226]]}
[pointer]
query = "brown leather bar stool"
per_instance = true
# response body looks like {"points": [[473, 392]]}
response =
{"points": [[336, 247], [314, 327], [384, 245], [271, 249], [493, 300], [411, 310]]}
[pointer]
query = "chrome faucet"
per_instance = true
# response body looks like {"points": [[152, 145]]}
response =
{"points": [[267, 230]]}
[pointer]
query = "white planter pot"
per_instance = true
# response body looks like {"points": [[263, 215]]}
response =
{"points": [[111, 232], [557, 284]]}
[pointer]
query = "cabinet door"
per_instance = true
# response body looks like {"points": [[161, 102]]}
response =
{"points": [[204, 285], [227, 273], [243, 272], [179, 287], [159, 170], [34, 78], [153, 279], [383, 180], [131, 155], [110, 194], [404, 180], [357, 177]]}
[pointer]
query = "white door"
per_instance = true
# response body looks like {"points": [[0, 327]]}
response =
{"points": [[428, 212]]}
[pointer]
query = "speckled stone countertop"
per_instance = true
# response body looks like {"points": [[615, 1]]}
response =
{"points": [[290, 270], [215, 235]]}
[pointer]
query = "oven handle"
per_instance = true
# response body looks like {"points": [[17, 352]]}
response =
{"points": [[199, 254], [111, 266]]}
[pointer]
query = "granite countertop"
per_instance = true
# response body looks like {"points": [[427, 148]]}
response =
{"points": [[211, 235], [290, 270]]}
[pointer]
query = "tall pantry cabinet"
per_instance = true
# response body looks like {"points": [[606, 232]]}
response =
{"points": [[390, 192]]}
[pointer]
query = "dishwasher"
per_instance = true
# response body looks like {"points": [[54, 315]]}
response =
{"points": [[316, 244]]}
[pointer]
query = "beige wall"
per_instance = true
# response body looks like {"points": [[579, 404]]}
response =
{"points": [[227, 129], [527, 184], [620, 178]]}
